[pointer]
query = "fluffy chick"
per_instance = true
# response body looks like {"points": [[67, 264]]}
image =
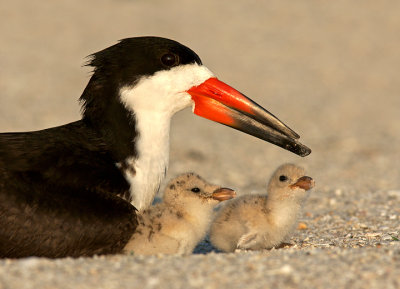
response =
{"points": [[176, 225], [254, 222]]}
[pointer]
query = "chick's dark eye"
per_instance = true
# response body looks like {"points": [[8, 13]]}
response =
{"points": [[195, 190], [169, 59], [283, 178]]}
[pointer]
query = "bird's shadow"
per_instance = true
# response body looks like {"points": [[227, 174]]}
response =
{"points": [[205, 247]]}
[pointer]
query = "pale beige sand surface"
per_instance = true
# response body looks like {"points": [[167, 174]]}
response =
{"points": [[329, 69]]}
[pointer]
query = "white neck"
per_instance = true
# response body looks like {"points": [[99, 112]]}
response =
{"points": [[153, 100]]}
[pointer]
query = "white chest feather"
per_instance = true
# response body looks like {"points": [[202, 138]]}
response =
{"points": [[150, 167], [284, 215], [153, 101]]}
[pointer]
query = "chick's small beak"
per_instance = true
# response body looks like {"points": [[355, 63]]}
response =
{"points": [[223, 194], [305, 183]]}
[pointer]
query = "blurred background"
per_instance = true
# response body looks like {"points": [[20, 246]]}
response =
{"points": [[328, 69]]}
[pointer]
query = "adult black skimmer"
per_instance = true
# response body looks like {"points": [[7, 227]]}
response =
{"points": [[181, 221], [60, 188], [255, 222]]}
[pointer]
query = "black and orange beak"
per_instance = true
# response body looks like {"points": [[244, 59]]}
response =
{"points": [[217, 101]]}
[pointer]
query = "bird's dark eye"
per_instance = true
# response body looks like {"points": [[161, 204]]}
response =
{"points": [[283, 178], [195, 190], [169, 59]]}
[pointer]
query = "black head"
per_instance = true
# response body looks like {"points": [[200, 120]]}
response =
{"points": [[132, 58], [121, 65]]}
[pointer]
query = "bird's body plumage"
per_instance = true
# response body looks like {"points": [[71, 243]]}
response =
{"points": [[177, 224], [47, 181], [255, 222]]}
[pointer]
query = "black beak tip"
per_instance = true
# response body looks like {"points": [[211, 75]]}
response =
{"points": [[298, 148]]}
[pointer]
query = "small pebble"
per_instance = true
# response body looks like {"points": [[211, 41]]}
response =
{"points": [[302, 226]]}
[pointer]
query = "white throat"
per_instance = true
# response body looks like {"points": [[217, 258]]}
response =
{"points": [[153, 101]]}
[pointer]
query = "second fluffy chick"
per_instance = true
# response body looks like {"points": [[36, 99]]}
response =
{"points": [[176, 225], [254, 222]]}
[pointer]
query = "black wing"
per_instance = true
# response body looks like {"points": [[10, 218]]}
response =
{"points": [[59, 195]]}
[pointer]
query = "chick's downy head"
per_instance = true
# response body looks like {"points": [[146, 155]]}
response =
{"points": [[289, 182], [191, 187]]}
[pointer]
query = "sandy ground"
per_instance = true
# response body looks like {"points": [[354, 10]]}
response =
{"points": [[327, 69]]}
